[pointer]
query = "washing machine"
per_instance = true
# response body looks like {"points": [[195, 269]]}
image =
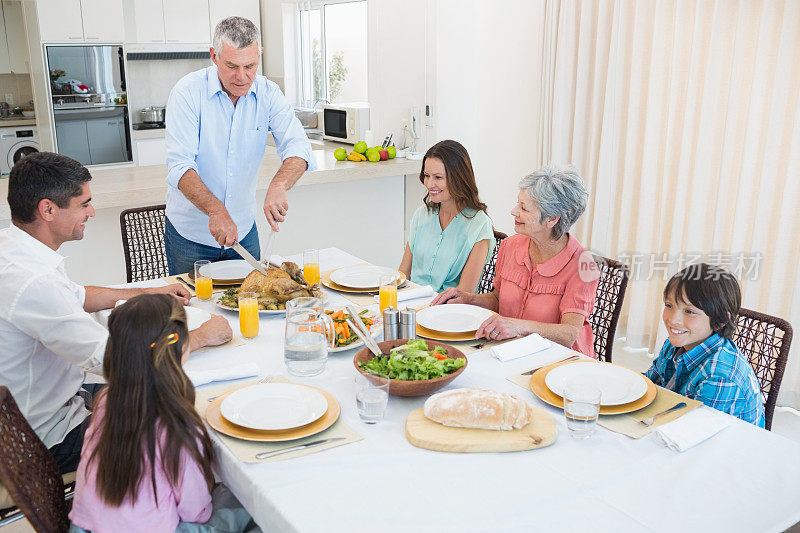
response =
{"points": [[15, 143]]}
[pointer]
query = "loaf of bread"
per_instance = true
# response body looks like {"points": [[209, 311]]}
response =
{"points": [[478, 408]]}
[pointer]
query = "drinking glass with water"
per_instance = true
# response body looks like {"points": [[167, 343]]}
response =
{"points": [[309, 336], [581, 407], [372, 396]]}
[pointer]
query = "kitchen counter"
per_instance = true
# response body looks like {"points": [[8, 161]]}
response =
{"points": [[15, 122], [138, 186]]}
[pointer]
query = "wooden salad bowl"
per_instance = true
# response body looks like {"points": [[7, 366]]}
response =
{"points": [[414, 388]]}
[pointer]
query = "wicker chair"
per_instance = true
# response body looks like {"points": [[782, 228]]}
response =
{"points": [[487, 278], [143, 242], [607, 305], [765, 341], [28, 471]]}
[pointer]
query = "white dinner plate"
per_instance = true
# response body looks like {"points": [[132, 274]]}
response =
{"points": [[274, 406], [618, 385], [452, 318], [260, 311], [228, 269], [361, 276]]}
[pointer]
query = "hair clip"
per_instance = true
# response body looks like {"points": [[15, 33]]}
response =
{"points": [[172, 338]]}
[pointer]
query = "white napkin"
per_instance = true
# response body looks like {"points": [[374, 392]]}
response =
{"points": [[691, 429], [515, 349], [201, 377], [412, 294]]}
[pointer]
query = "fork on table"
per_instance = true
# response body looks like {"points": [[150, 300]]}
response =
{"points": [[266, 379], [649, 421]]}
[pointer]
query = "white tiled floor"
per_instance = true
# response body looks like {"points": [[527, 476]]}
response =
{"points": [[786, 421]]}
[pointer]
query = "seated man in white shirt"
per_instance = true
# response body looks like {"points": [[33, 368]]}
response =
{"points": [[48, 340]]}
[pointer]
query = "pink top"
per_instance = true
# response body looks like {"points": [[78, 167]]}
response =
{"points": [[565, 283], [189, 502]]}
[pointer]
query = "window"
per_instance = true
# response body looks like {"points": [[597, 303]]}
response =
{"points": [[333, 52]]}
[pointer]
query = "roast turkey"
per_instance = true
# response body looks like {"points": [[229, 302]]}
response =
{"points": [[279, 284]]}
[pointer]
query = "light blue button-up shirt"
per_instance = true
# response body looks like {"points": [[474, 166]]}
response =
{"points": [[225, 144]]}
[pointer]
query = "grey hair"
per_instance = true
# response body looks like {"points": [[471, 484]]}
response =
{"points": [[237, 32], [558, 192]]}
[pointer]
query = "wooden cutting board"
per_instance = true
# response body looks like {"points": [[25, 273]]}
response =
{"points": [[424, 433]]}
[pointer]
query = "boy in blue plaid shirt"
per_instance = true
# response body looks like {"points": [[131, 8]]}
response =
{"points": [[699, 359]]}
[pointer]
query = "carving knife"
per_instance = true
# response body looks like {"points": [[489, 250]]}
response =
{"points": [[267, 455], [249, 258]]}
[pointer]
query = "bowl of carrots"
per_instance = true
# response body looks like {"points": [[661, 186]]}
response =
{"points": [[346, 338]]}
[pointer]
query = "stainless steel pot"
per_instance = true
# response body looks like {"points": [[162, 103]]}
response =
{"points": [[153, 114]]}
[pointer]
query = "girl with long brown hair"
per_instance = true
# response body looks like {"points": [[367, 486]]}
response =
{"points": [[450, 237], [146, 461]]}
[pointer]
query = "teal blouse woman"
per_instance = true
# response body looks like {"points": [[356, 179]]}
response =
{"points": [[450, 237]]}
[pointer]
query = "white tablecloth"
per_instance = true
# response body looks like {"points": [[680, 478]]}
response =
{"points": [[743, 479]]}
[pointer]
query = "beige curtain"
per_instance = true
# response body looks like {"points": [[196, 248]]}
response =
{"points": [[684, 117]]}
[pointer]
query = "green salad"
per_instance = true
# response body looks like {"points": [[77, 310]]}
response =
{"points": [[413, 362]]}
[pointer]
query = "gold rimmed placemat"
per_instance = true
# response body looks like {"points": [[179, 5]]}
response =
{"points": [[325, 279], [246, 451], [630, 423]]}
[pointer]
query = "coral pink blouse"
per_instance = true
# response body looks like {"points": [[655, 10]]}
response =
{"points": [[565, 283]]}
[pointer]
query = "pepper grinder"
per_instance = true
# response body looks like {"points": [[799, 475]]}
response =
{"points": [[408, 324], [391, 324]]}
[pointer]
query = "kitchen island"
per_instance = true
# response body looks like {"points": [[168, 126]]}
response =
{"points": [[354, 205]]}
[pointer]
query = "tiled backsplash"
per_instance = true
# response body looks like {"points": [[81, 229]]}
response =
{"points": [[150, 82], [18, 86]]}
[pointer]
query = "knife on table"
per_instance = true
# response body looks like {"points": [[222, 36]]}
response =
{"points": [[249, 258], [267, 455]]}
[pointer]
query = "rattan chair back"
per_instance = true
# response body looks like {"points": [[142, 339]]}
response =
{"points": [[28, 471], [765, 341], [143, 242], [607, 305], [486, 284]]}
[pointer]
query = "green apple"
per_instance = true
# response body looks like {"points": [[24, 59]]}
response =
{"points": [[392, 151], [340, 154], [360, 147], [373, 155]]}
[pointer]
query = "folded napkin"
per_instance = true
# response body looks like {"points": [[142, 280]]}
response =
{"points": [[413, 294], [201, 377], [515, 349], [691, 429]]}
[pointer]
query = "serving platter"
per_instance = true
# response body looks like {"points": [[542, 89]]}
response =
{"points": [[260, 311], [452, 318], [540, 389], [375, 330], [273, 406], [218, 422], [617, 384]]}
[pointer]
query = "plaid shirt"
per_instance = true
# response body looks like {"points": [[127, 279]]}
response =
{"points": [[714, 372]]}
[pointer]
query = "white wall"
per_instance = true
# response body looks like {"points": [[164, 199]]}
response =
{"points": [[150, 82], [487, 65]]}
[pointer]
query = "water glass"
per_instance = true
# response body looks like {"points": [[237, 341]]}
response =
{"points": [[311, 266], [372, 395], [387, 292], [203, 285], [308, 339], [248, 314], [581, 407]]}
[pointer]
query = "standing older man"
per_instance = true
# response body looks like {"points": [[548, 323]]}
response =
{"points": [[218, 120]]}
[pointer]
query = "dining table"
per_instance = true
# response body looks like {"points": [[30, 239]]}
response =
{"points": [[744, 478]]}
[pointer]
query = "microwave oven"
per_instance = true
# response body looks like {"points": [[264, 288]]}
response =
{"points": [[345, 123]]}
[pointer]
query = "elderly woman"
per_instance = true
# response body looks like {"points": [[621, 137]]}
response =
{"points": [[544, 283]]}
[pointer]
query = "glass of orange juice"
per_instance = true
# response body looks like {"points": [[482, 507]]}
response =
{"points": [[248, 314], [311, 266], [387, 292], [203, 285]]}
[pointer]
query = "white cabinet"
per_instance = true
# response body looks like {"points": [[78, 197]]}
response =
{"points": [[151, 152], [148, 17], [221, 9], [14, 55], [186, 21], [66, 21]]}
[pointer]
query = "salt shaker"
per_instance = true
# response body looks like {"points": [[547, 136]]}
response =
{"points": [[408, 324], [391, 324]]}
